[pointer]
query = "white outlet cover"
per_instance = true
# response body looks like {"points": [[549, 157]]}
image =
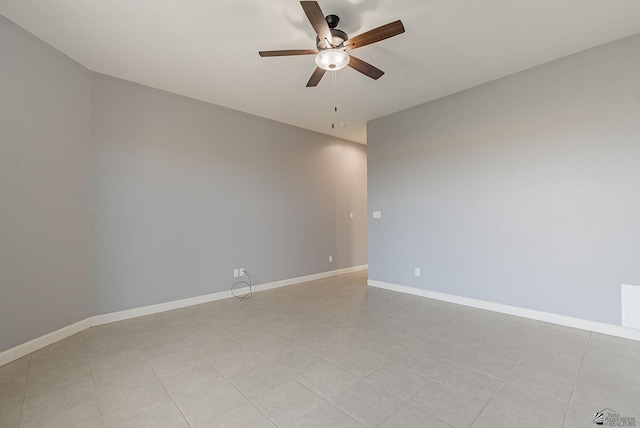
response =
{"points": [[631, 306], [330, 259], [377, 214], [350, 215], [235, 273], [417, 271]]}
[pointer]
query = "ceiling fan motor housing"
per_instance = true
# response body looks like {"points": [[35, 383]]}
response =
{"points": [[339, 37], [332, 20]]}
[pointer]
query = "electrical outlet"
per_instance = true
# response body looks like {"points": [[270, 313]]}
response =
{"points": [[417, 271], [330, 259], [351, 215], [235, 273], [241, 271]]}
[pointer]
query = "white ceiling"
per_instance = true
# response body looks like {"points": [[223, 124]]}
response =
{"points": [[208, 50]]}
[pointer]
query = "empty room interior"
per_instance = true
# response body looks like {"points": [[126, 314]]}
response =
{"points": [[320, 214]]}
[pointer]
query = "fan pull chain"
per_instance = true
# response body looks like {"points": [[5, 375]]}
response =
{"points": [[334, 79]]}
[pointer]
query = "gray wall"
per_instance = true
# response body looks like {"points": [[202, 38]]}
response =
{"points": [[114, 195], [44, 137], [524, 191], [184, 191]]}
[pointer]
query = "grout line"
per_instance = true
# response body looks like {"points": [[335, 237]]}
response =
{"points": [[223, 376], [160, 380], [24, 394], [95, 390], [575, 384]]}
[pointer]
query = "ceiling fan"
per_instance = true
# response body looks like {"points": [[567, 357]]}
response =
{"points": [[333, 44]]}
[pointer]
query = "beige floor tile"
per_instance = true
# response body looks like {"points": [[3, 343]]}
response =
{"points": [[16, 370], [470, 381], [157, 335], [245, 416], [327, 380], [620, 356], [359, 361], [326, 346], [69, 406], [448, 351], [552, 376], [493, 417], [186, 380], [398, 380], [424, 363], [260, 380], [123, 377], [251, 336], [561, 342], [496, 365], [165, 415], [109, 361], [214, 400], [413, 339], [581, 417], [410, 416], [368, 403], [235, 362], [276, 347], [511, 350], [353, 334], [598, 387], [288, 403], [530, 405], [166, 367], [169, 350], [121, 403], [108, 342], [462, 334], [43, 380], [201, 334], [60, 355], [12, 387], [10, 410], [518, 331], [387, 347], [327, 415], [296, 364], [450, 405]]}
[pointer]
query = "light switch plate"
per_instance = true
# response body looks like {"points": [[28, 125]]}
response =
{"points": [[377, 214]]}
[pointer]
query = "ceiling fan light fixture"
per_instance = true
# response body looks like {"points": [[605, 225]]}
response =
{"points": [[332, 59]]}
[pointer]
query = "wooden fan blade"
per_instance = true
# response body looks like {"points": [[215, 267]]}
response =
{"points": [[365, 68], [315, 77], [288, 52], [389, 30], [317, 20]]}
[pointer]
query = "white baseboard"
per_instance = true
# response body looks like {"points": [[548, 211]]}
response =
{"points": [[46, 340], [20, 351], [307, 278], [598, 327]]}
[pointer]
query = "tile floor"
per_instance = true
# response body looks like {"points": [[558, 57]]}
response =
{"points": [[329, 353]]}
